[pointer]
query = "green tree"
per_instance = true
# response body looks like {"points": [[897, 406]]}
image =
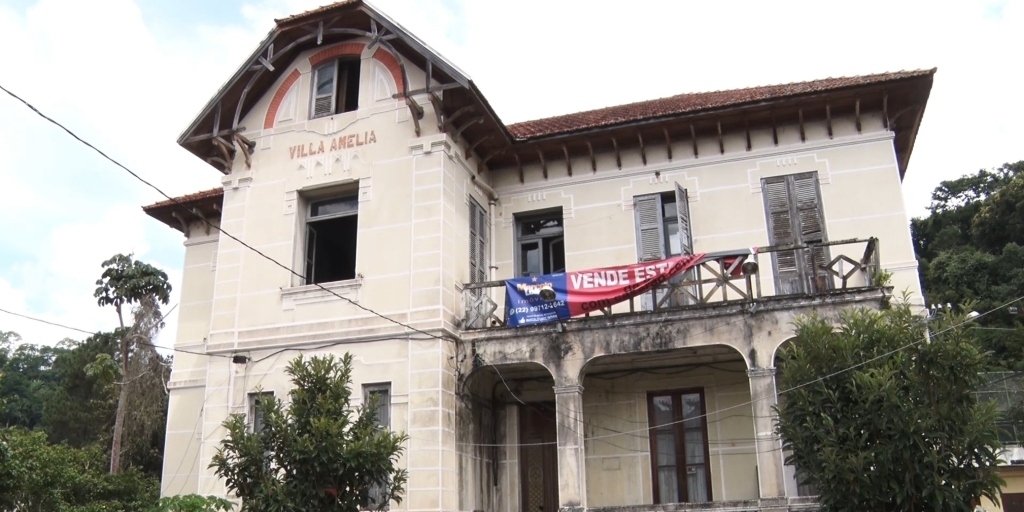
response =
{"points": [[193, 503], [903, 431], [48, 477], [316, 454], [127, 282]]}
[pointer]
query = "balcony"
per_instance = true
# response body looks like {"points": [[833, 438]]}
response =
{"points": [[741, 280]]}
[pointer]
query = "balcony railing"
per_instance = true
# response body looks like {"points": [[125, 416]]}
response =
{"points": [[722, 277]]}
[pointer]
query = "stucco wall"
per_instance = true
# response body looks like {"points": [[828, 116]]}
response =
{"points": [[412, 258]]}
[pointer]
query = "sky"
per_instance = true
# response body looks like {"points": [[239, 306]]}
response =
{"points": [[129, 75]]}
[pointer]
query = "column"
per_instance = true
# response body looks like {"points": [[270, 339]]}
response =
{"points": [[572, 477], [770, 473]]}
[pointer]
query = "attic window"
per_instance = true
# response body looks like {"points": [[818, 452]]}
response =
{"points": [[335, 88]]}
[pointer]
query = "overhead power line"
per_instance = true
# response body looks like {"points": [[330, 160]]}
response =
{"points": [[182, 207]]}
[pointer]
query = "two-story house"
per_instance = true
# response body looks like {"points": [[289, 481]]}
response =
{"points": [[373, 203]]}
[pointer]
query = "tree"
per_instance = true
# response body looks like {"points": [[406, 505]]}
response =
{"points": [[193, 503], [969, 248], [126, 282], [901, 431], [36, 475], [316, 454]]}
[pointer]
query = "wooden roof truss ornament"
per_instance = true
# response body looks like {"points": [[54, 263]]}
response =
{"points": [[472, 147], [458, 132], [543, 163], [618, 157], [568, 161], [856, 113], [693, 138], [746, 127], [481, 166], [643, 152], [800, 115], [775, 130], [519, 167], [668, 144], [885, 110], [721, 143], [593, 161], [828, 119]]}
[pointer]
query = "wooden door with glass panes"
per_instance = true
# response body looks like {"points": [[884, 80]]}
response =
{"points": [[538, 457], [679, 446]]}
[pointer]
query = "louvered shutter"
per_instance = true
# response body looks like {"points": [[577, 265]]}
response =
{"points": [[793, 209], [780, 231], [650, 238], [685, 295], [477, 242], [811, 226], [324, 90]]}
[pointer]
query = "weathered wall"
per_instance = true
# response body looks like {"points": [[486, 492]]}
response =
{"points": [[1014, 477]]}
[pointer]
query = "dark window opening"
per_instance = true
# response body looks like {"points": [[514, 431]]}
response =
{"points": [[331, 240], [336, 88], [256, 414], [541, 244]]}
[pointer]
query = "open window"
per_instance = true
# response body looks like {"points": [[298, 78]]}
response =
{"points": [[335, 87], [663, 230], [256, 414], [331, 227], [541, 244]]}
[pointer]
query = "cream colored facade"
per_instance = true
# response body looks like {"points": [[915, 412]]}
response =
{"points": [[415, 194]]}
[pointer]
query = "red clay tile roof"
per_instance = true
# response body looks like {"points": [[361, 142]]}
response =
{"points": [[692, 102], [186, 199], [312, 12]]}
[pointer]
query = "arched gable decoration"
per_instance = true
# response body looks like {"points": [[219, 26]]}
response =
{"points": [[393, 65]]}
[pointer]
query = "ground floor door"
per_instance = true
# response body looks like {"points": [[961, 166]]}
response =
{"points": [[1013, 501], [538, 457]]}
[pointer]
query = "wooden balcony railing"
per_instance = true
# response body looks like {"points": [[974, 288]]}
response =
{"points": [[723, 277]]}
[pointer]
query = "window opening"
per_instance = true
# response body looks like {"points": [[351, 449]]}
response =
{"points": [[478, 244], [331, 229], [256, 415], [336, 87], [663, 230], [541, 244], [378, 395]]}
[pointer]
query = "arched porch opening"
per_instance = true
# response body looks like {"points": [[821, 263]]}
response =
{"points": [[671, 426]]}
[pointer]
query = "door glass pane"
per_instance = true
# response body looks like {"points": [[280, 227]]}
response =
{"points": [[695, 446], [668, 485], [668, 208], [692, 409], [697, 484], [666, 443], [529, 259], [662, 410]]}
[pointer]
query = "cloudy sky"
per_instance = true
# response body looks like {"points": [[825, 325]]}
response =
{"points": [[128, 75]]}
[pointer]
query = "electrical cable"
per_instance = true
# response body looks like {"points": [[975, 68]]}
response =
{"points": [[91, 333], [752, 401]]}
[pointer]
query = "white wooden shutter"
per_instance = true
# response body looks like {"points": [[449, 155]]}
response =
{"points": [[310, 254], [650, 237], [780, 232], [793, 210], [683, 215], [688, 294], [811, 226]]}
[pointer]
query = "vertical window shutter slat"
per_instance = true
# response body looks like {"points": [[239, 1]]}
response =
{"points": [[650, 239], [780, 231], [478, 233], [310, 254], [683, 215], [808, 204]]}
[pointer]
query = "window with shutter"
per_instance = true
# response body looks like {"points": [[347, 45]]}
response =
{"points": [[539, 237], [663, 229], [793, 211], [335, 88], [478, 243], [380, 395]]}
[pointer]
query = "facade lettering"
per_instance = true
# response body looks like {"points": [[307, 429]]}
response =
{"points": [[348, 141]]}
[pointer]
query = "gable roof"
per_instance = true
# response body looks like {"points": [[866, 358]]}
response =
{"points": [[693, 103]]}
